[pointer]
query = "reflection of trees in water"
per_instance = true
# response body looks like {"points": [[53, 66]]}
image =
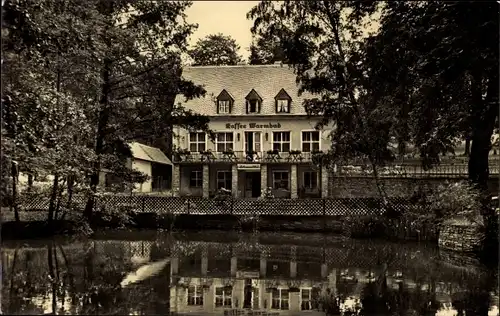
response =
{"points": [[21, 280], [476, 299], [379, 299], [89, 274], [79, 281]]}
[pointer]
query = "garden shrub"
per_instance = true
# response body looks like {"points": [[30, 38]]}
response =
{"points": [[117, 217], [456, 200], [368, 226], [423, 219]]}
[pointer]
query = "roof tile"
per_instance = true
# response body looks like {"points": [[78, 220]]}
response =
{"points": [[267, 80]]}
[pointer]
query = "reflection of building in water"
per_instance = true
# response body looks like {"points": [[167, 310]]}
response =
{"points": [[215, 278], [224, 278], [218, 278]]}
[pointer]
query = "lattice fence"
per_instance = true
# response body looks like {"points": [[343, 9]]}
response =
{"points": [[205, 206], [41, 202]]}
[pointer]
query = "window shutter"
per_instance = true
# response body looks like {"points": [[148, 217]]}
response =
{"points": [[230, 106], [276, 106], [258, 106], [247, 105], [217, 106], [289, 106]]}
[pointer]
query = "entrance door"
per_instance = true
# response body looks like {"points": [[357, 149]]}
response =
{"points": [[252, 184], [247, 294], [253, 144]]}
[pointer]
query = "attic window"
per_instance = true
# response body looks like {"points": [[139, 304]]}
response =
{"points": [[224, 106], [224, 103], [253, 106], [254, 102], [283, 102]]}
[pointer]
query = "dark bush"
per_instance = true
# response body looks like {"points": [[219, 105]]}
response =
{"points": [[120, 217], [369, 226]]}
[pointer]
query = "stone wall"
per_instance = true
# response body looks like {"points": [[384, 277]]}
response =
{"points": [[366, 187], [459, 237]]}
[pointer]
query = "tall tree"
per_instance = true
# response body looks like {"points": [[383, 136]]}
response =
{"points": [[322, 40], [216, 50], [117, 60], [42, 120], [430, 73], [446, 80], [140, 40], [266, 50]]}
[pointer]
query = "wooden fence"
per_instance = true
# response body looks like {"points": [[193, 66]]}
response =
{"points": [[206, 206]]}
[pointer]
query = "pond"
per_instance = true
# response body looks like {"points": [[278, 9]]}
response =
{"points": [[221, 273]]}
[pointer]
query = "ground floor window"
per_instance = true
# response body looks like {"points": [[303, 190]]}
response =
{"points": [[310, 179], [281, 180], [224, 179], [195, 295], [305, 299], [196, 179], [280, 299], [223, 297]]}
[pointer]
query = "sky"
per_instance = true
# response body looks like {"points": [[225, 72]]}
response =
{"points": [[226, 17]]}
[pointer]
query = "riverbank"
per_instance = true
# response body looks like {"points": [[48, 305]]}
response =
{"points": [[34, 224]]}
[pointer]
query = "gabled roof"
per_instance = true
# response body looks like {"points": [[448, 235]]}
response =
{"points": [[282, 95], [253, 95], [148, 153], [238, 80], [224, 95]]}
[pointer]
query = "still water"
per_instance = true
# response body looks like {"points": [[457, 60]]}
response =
{"points": [[220, 273]]}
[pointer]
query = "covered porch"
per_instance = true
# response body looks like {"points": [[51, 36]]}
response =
{"points": [[248, 180]]}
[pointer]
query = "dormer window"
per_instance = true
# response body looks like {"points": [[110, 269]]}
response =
{"points": [[224, 106], [283, 102], [283, 106], [253, 106], [254, 102], [224, 103]]}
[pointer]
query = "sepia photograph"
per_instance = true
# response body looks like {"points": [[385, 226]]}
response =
{"points": [[271, 158]]}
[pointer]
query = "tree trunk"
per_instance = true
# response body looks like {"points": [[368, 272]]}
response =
{"points": [[103, 119], [478, 161], [59, 197], [53, 198], [379, 185], [71, 182], [15, 205], [30, 182], [482, 131]]}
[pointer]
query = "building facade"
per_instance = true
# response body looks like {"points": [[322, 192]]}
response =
{"points": [[262, 138]]}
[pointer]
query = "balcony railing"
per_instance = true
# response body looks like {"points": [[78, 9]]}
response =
{"points": [[245, 157]]}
